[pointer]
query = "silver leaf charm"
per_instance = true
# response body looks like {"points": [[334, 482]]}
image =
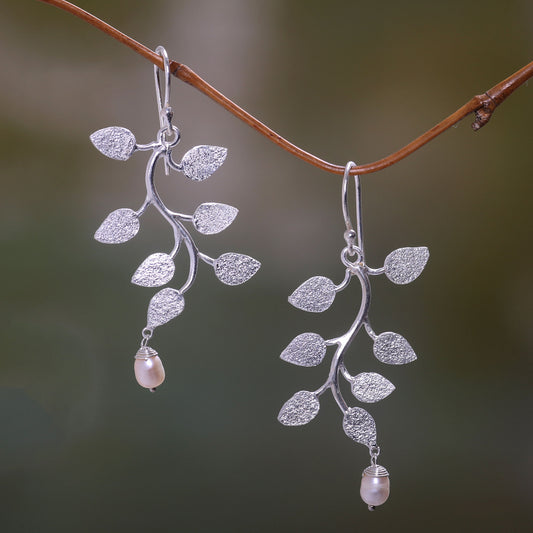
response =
{"points": [[211, 218], [234, 269], [114, 142], [307, 349], [164, 306], [314, 295], [359, 425], [300, 409], [119, 226], [156, 270], [370, 387], [393, 349], [201, 161], [405, 264]]}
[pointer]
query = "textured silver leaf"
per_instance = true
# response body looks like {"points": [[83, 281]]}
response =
{"points": [[300, 409], [234, 269], [211, 218], [201, 161], [164, 306], [157, 269], [114, 142], [393, 349], [370, 387], [314, 295], [307, 349], [405, 264], [119, 226], [359, 426]]}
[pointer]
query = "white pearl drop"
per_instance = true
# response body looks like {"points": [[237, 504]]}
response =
{"points": [[375, 489], [149, 372]]}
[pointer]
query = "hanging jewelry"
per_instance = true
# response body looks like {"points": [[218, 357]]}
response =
{"points": [[309, 349], [198, 164]]}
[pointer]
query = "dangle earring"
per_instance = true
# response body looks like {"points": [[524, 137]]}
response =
{"points": [[209, 218], [309, 349]]}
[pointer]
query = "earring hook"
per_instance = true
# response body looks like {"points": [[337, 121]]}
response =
{"points": [[163, 106], [352, 236]]}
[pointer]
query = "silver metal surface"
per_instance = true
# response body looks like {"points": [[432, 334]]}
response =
{"points": [[201, 161], [300, 409], [314, 295], [393, 349], [197, 164], [375, 471], [370, 387], [211, 218], [164, 306], [114, 142], [163, 106], [234, 269], [405, 264], [119, 226], [307, 349], [156, 270], [359, 425], [145, 352]]}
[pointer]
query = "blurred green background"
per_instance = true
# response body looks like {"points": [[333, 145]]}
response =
{"points": [[84, 448]]}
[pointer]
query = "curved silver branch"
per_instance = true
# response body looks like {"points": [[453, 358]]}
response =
{"points": [[180, 232], [143, 207], [178, 167], [337, 363]]}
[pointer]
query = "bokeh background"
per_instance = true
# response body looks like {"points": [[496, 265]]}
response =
{"points": [[84, 448]]}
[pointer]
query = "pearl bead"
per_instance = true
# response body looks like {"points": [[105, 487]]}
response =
{"points": [[374, 489], [149, 372]]}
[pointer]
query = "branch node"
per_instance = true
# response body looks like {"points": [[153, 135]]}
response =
{"points": [[484, 114]]}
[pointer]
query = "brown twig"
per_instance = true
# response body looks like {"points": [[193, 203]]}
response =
{"points": [[482, 105]]}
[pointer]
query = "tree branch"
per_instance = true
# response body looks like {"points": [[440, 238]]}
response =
{"points": [[482, 105]]}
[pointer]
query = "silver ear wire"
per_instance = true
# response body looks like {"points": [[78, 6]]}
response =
{"points": [[163, 104], [164, 109], [353, 237]]}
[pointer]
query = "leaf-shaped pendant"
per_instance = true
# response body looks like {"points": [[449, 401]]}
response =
{"points": [[119, 226], [314, 295], [233, 269], [164, 306], [393, 349], [211, 218], [156, 270], [114, 142], [201, 161], [405, 264], [307, 349], [370, 387], [359, 425], [300, 409]]}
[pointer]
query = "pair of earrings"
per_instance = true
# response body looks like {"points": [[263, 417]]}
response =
{"points": [[315, 295]]}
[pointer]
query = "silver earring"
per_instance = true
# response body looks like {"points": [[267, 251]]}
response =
{"points": [[209, 218], [309, 349]]}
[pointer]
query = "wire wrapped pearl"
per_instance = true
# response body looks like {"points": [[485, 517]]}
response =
{"points": [[148, 368], [375, 486]]}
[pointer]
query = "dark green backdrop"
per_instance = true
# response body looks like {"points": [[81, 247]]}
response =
{"points": [[84, 449]]}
